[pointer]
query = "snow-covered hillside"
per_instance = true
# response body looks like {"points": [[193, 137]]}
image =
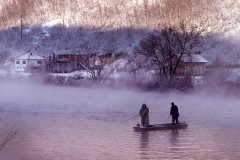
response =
{"points": [[82, 33], [223, 44]]}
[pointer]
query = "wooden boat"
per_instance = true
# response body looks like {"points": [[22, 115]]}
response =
{"points": [[164, 126]]}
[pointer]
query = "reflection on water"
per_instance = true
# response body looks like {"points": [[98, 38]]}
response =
{"points": [[174, 137], [144, 154], [144, 139]]}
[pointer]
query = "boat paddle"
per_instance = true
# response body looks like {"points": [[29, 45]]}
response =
{"points": [[131, 118], [167, 119]]}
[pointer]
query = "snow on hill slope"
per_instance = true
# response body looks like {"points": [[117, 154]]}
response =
{"points": [[224, 42]]}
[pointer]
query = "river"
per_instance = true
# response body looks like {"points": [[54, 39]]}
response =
{"points": [[66, 123]]}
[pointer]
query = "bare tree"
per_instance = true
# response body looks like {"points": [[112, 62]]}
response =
{"points": [[187, 42], [155, 51], [10, 135], [99, 69], [163, 51]]}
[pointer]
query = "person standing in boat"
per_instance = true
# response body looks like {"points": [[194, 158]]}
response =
{"points": [[144, 115], [174, 113]]}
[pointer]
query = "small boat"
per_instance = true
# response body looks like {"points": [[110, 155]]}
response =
{"points": [[164, 126]]}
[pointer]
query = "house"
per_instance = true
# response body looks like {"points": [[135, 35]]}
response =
{"points": [[102, 59], [30, 62], [194, 65], [64, 63], [107, 58]]}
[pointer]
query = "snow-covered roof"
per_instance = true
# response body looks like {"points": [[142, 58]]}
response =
{"points": [[120, 63], [194, 58], [28, 56]]}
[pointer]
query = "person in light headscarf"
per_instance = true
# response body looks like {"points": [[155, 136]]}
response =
{"points": [[144, 115]]}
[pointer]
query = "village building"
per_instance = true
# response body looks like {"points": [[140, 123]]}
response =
{"points": [[30, 62], [65, 63], [194, 65], [107, 58]]}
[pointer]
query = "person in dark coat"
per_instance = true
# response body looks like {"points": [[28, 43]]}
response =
{"points": [[174, 113], [144, 115]]}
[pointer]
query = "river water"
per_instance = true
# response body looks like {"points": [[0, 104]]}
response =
{"points": [[63, 123]]}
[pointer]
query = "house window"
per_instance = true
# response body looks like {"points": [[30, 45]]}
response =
{"points": [[24, 62], [17, 62], [39, 62], [65, 56]]}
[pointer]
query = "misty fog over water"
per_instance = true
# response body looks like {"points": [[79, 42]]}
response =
{"points": [[88, 123]]}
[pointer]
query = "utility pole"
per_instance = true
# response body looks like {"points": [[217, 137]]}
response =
{"points": [[21, 27]]}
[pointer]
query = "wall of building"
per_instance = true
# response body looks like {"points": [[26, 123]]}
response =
{"points": [[30, 65], [195, 68]]}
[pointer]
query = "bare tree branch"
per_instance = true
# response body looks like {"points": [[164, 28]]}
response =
{"points": [[10, 135]]}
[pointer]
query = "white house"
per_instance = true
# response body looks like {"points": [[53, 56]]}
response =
{"points": [[30, 62]]}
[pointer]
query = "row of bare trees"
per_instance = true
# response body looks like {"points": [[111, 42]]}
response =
{"points": [[108, 13]]}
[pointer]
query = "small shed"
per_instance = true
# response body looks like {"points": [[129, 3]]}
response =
{"points": [[30, 62]]}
